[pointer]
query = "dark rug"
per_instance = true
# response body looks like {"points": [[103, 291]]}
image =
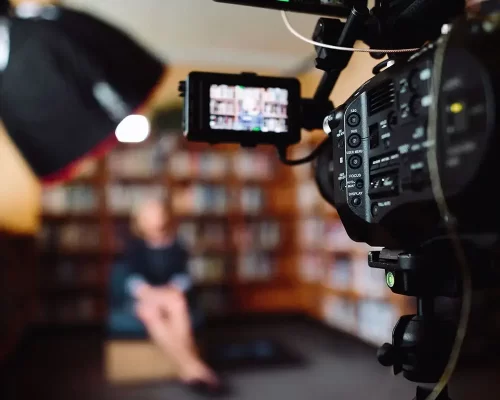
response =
{"points": [[251, 354]]}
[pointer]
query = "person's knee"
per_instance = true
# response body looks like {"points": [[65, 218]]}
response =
{"points": [[147, 312], [178, 301]]}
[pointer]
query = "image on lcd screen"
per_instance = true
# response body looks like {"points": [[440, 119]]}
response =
{"points": [[240, 108]]}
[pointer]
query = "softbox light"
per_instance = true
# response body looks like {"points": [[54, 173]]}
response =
{"points": [[67, 80]]}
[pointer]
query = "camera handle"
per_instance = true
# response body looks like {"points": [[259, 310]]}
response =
{"points": [[335, 32], [332, 62]]}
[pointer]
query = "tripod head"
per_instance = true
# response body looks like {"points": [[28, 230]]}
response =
{"points": [[422, 343]]}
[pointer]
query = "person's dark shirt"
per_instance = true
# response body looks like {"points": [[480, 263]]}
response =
{"points": [[160, 266]]}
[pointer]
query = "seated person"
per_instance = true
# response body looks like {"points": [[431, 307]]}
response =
{"points": [[161, 291]]}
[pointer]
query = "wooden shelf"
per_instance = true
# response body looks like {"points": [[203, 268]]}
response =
{"points": [[74, 288], [136, 180]]}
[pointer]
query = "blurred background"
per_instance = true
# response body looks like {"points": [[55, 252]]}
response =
{"points": [[292, 308]]}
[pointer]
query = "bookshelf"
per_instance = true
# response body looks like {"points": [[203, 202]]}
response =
{"points": [[72, 281], [234, 209], [17, 289], [260, 236], [337, 286]]}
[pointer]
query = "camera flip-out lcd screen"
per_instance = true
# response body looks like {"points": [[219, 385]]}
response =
{"points": [[242, 108]]}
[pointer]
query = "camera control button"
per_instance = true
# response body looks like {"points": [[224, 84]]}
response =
{"points": [[360, 184], [353, 120], [355, 161], [356, 201], [354, 140]]}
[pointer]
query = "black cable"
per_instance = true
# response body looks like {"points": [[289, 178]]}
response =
{"points": [[306, 159]]}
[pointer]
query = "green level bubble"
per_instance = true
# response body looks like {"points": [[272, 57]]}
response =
{"points": [[391, 280]]}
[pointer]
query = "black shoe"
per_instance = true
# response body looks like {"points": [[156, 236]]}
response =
{"points": [[208, 389]]}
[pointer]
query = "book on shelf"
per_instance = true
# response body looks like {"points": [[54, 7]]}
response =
{"points": [[68, 273], [253, 165], [336, 239], [216, 199], [340, 313], [311, 267], [70, 236], [262, 235], [252, 200], [207, 269], [368, 282], [214, 301], [311, 233], [124, 198], [137, 162], [121, 236], [77, 237], [201, 199], [203, 165], [75, 310], [203, 236], [376, 321], [70, 199], [255, 266], [308, 197], [340, 273]]}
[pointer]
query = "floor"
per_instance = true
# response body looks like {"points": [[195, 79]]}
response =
{"points": [[70, 367]]}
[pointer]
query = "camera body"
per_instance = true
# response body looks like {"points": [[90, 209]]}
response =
{"points": [[379, 166], [381, 175]]}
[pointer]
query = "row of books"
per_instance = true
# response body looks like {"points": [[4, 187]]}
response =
{"points": [[256, 266], [138, 162], [217, 199], [67, 273], [251, 266], [370, 320], [208, 269], [344, 273], [198, 236], [72, 236], [217, 165], [122, 199], [195, 199], [320, 233], [309, 199], [264, 235], [73, 310], [70, 199], [214, 301]]}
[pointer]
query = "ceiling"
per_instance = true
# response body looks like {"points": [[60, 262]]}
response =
{"points": [[208, 33]]}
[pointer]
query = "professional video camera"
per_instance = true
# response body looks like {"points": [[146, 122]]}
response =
{"points": [[407, 160]]}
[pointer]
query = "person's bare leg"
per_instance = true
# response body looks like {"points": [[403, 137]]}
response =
{"points": [[176, 311], [163, 333]]}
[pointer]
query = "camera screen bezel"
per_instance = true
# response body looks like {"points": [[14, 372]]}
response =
{"points": [[198, 90]]}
